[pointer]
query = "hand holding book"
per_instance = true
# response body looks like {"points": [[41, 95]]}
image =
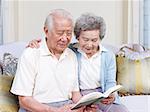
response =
{"points": [[95, 97], [110, 99]]}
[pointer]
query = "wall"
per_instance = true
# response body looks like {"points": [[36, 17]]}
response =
{"points": [[10, 21], [32, 14]]}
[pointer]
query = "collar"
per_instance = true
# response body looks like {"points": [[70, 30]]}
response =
{"points": [[102, 48], [44, 51]]}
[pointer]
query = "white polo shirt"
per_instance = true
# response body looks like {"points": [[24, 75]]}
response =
{"points": [[41, 75], [90, 70]]}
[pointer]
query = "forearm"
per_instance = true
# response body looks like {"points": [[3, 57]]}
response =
{"points": [[32, 105]]}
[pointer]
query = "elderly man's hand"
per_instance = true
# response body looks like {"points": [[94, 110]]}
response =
{"points": [[91, 108], [67, 108]]}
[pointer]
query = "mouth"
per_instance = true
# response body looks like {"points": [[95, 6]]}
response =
{"points": [[62, 45], [88, 49]]}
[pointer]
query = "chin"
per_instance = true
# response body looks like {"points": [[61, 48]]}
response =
{"points": [[88, 51], [62, 49]]}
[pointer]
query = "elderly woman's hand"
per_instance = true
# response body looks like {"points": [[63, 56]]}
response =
{"points": [[34, 43], [109, 100]]}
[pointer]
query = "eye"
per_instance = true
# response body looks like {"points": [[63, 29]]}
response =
{"points": [[85, 39], [94, 40], [69, 34], [60, 33]]}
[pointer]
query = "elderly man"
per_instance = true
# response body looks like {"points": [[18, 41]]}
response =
{"points": [[46, 79]]}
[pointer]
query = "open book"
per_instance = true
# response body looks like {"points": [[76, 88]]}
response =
{"points": [[95, 97]]}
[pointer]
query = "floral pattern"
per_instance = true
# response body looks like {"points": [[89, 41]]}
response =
{"points": [[9, 64]]}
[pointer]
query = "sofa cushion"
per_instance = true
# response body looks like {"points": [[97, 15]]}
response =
{"points": [[8, 102], [137, 103], [134, 75], [1, 68], [14, 48], [9, 64]]}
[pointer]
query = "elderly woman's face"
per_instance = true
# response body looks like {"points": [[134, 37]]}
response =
{"points": [[89, 41]]}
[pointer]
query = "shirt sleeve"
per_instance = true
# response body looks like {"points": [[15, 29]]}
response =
{"points": [[111, 71], [23, 83]]}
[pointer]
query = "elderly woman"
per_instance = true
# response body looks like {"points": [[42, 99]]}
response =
{"points": [[97, 65]]}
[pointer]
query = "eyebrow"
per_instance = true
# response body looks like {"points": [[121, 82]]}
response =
{"points": [[84, 37], [64, 30]]}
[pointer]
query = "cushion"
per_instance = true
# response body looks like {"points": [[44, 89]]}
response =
{"points": [[1, 68], [134, 75], [9, 64], [136, 103], [8, 102], [134, 51], [15, 48]]}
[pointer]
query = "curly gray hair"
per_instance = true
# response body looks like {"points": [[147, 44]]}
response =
{"points": [[89, 21]]}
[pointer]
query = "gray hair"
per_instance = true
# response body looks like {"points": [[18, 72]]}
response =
{"points": [[89, 21], [57, 13]]}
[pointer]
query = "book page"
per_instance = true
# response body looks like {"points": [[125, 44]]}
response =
{"points": [[112, 90], [88, 99], [84, 103], [90, 96]]}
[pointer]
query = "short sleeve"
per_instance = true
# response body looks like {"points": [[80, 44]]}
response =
{"points": [[23, 83]]}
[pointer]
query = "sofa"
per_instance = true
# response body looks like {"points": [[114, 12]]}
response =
{"points": [[9, 103]]}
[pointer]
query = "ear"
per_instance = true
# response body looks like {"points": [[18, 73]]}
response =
{"points": [[46, 30]]}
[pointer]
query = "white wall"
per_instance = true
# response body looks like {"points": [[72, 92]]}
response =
{"points": [[10, 21], [32, 14]]}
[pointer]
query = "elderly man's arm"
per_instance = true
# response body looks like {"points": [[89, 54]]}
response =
{"points": [[30, 104]]}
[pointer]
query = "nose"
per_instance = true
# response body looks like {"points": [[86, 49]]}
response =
{"points": [[64, 37], [89, 44]]}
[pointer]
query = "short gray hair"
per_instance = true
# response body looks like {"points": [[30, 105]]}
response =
{"points": [[57, 12], [89, 21]]}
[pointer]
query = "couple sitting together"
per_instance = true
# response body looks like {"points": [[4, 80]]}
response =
{"points": [[52, 75]]}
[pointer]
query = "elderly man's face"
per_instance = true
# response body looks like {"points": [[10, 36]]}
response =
{"points": [[60, 35], [89, 41]]}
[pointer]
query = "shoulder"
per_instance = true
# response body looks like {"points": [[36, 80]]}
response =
{"points": [[30, 53], [107, 52], [71, 52], [108, 56]]}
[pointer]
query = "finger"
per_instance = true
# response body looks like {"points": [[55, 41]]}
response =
{"points": [[111, 99], [105, 101], [27, 46], [84, 110], [39, 40], [31, 45], [37, 43], [34, 44], [93, 106]]}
